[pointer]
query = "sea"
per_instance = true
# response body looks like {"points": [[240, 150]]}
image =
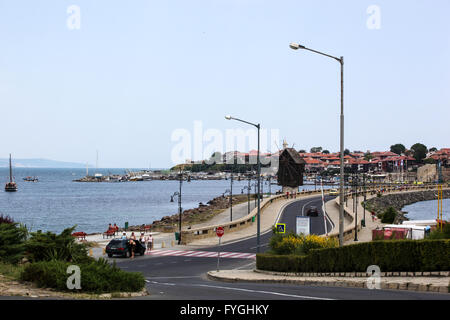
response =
{"points": [[427, 210], [56, 202]]}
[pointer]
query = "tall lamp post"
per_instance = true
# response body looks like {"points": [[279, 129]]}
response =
{"points": [[178, 193], [297, 46], [258, 222]]}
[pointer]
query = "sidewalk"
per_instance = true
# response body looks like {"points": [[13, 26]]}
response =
{"points": [[419, 283]]}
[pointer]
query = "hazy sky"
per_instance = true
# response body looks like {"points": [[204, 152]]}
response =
{"points": [[136, 71]]}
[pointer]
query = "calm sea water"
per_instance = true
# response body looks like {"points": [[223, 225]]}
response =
{"points": [[427, 210], [56, 202]]}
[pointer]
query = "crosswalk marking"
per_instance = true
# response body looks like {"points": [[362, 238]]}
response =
{"points": [[200, 254]]}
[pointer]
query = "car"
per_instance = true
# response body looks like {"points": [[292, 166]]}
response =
{"points": [[312, 211], [333, 192], [122, 247]]}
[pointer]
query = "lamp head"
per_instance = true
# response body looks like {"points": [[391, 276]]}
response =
{"points": [[296, 46], [228, 117]]}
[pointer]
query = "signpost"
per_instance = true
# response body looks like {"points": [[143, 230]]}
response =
{"points": [[219, 233], [303, 225]]}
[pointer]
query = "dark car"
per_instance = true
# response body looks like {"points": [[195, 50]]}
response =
{"points": [[312, 212], [122, 247]]}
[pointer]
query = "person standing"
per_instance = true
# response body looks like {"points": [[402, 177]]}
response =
{"points": [[150, 242]]}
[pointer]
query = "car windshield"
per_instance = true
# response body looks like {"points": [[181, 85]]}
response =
{"points": [[116, 242]]}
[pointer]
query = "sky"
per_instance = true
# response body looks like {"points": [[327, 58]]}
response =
{"points": [[129, 78]]}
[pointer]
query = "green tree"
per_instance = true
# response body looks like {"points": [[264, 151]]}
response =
{"points": [[346, 152], [398, 148], [433, 149], [12, 239], [316, 149], [326, 152], [419, 151]]}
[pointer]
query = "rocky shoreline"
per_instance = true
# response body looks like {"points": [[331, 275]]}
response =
{"points": [[400, 200], [200, 214]]}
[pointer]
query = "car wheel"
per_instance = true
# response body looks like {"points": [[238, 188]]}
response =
{"points": [[110, 255]]}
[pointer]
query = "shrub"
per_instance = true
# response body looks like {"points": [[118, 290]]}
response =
{"points": [[438, 234], [12, 237], [299, 244], [49, 246], [96, 276], [389, 215], [6, 219], [395, 255]]}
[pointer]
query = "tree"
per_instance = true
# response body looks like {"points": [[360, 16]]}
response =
{"points": [[316, 149], [346, 152], [326, 152], [398, 148], [433, 149], [302, 151], [419, 151]]}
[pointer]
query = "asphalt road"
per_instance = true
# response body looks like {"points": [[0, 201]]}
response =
{"points": [[184, 278]]}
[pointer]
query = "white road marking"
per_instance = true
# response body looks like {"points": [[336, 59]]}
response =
{"points": [[265, 292]]}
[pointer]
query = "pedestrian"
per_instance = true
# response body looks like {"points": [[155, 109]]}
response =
{"points": [[116, 228], [150, 242], [124, 236], [141, 238], [132, 247], [133, 236]]}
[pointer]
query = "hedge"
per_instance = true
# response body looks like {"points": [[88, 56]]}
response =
{"points": [[96, 277], [393, 255]]}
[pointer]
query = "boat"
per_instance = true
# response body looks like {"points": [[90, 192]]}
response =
{"points": [[31, 179], [10, 186]]}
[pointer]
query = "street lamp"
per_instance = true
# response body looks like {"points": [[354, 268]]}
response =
{"points": [[258, 223], [296, 46], [178, 193]]}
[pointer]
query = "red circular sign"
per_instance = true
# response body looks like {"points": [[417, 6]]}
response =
{"points": [[220, 231]]}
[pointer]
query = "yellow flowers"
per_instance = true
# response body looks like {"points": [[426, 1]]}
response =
{"points": [[300, 244]]}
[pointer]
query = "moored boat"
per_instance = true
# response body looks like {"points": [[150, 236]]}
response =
{"points": [[10, 186]]}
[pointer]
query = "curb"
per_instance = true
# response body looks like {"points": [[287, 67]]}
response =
{"points": [[328, 281]]}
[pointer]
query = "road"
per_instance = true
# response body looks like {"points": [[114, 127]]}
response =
{"points": [[184, 277]]}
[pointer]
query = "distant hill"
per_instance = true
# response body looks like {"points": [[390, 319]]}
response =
{"points": [[40, 163]]}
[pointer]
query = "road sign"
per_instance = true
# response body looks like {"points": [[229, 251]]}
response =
{"points": [[220, 231], [303, 225], [281, 227]]}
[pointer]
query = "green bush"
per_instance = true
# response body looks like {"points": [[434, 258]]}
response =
{"points": [[50, 246], [96, 276], [12, 237], [395, 255], [292, 243], [438, 234], [389, 215]]}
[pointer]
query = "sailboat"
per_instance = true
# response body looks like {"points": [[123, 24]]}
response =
{"points": [[11, 186]]}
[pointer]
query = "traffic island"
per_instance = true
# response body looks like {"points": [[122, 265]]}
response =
{"points": [[433, 283]]}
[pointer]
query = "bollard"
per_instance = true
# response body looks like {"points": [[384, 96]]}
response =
{"points": [[104, 251], [173, 243], [90, 252], [163, 245]]}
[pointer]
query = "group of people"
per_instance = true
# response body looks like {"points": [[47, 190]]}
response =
{"points": [[147, 240], [114, 228]]}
